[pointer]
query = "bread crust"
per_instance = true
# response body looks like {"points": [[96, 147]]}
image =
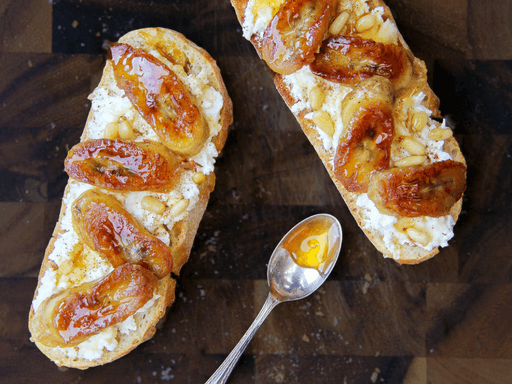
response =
{"points": [[404, 254], [181, 235]]}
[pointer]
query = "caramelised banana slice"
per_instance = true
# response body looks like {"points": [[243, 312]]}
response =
{"points": [[295, 34], [124, 165], [430, 190], [105, 226], [71, 316], [350, 59], [364, 149], [161, 99]]}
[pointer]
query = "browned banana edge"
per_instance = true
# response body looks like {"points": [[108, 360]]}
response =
{"points": [[403, 253], [182, 230]]}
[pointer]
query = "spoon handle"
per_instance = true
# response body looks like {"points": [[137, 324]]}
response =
{"points": [[222, 373]]}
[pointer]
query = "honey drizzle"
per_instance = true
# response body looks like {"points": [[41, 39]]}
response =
{"points": [[312, 246]]}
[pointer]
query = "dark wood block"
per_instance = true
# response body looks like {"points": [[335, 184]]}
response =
{"points": [[457, 370], [21, 254], [469, 320], [352, 318], [26, 26], [330, 369]]}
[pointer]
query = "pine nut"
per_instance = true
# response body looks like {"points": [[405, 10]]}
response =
{"points": [[407, 101], [418, 236], [180, 207], [401, 129], [199, 177], [388, 34], [365, 23], [439, 134], [410, 161], [316, 98], [125, 128], [111, 130], [413, 146], [152, 204], [419, 121], [403, 223], [370, 33], [323, 121], [338, 23]]}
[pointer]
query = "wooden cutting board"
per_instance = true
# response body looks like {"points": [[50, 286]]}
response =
{"points": [[447, 320]]}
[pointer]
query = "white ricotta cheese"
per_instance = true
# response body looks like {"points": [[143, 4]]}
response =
{"points": [[211, 103], [206, 158], [255, 23], [439, 229], [360, 8], [300, 84], [93, 347], [388, 33], [130, 324], [48, 283], [374, 220], [435, 150], [418, 99], [115, 101], [63, 248]]}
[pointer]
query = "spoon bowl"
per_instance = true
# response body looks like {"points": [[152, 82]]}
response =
{"points": [[290, 281], [299, 265]]}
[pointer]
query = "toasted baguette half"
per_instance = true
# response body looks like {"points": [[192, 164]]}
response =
{"points": [[295, 88], [69, 263]]}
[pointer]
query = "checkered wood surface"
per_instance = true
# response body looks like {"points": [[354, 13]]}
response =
{"points": [[447, 320]]}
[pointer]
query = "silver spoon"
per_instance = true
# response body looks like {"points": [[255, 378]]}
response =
{"points": [[288, 280]]}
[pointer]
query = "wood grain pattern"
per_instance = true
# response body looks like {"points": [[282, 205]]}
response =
{"points": [[444, 321], [26, 26]]}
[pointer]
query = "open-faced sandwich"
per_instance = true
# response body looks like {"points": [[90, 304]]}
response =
{"points": [[140, 180], [363, 101]]}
